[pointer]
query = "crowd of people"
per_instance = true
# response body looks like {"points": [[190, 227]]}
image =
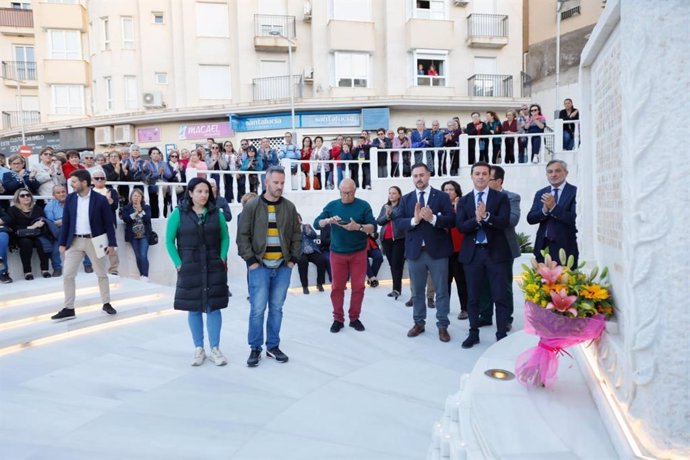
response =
{"points": [[443, 235]]}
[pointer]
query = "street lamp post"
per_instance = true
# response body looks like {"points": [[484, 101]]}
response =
{"points": [[559, 7], [291, 87]]}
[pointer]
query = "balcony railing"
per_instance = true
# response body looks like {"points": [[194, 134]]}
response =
{"points": [[487, 25], [273, 88], [485, 85], [13, 17], [431, 80], [266, 25], [570, 8], [19, 70], [13, 119]]}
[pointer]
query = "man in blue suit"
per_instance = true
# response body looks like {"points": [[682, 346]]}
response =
{"points": [[87, 215], [427, 214], [553, 209], [483, 215]]}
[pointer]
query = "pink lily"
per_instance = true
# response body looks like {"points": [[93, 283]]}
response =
{"points": [[550, 271], [562, 302]]}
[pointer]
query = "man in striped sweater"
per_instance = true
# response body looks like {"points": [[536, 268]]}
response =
{"points": [[268, 239]]}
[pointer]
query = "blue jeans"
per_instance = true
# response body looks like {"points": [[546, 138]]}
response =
{"points": [[55, 257], [267, 287], [214, 321], [141, 251], [4, 243], [568, 140]]}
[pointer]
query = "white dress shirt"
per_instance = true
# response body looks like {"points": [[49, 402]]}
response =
{"points": [[83, 226]]}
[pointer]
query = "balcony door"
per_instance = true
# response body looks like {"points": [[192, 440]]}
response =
{"points": [[485, 69], [25, 62]]}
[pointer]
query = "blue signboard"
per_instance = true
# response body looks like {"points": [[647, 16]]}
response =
{"points": [[375, 118], [302, 120]]}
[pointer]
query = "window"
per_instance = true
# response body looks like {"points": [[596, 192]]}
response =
{"points": [[214, 82], [350, 10], [430, 67], [429, 9], [212, 20], [25, 62], [64, 44], [105, 32], [127, 32], [351, 70], [68, 99], [108, 87], [64, 2], [157, 18], [131, 95], [161, 78], [20, 5]]}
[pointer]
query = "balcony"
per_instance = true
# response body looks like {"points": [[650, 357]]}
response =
{"points": [[487, 30], [269, 31], [16, 22], [570, 8], [12, 120], [485, 85], [62, 16], [23, 71], [276, 88]]}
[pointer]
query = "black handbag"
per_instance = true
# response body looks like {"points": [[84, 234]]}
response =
{"points": [[153, 238], [28, 232]]}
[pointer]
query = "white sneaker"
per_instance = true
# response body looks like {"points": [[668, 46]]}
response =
{"points": [[145, 279], [217, 357], [199, 356]]}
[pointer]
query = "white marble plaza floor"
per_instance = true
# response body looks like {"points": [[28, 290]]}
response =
{"points": [[128, 392]]}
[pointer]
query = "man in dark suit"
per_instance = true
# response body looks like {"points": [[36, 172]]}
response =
{"points": [[486, 305], [426, 214], [483, 215], [87, 215], [554, 210]]}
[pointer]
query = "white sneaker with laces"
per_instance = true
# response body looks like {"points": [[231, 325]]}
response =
{"points": [[145, 279], [217, 357], [199, 356]]}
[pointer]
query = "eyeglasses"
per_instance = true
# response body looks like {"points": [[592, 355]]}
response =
{"points": [[88, 158], [99, 178], [347, 193], [215, 148], [174, 156], [17, 163], [534, 110], [24, 195]]}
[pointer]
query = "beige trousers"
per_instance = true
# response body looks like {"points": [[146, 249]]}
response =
{"points": [[73, 258]]}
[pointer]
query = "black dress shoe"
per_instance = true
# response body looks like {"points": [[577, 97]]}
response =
{"points": [[336, 326], [305, 290], [319, 287], [65, 313], [470, 341], [357, 325], [409, 303], [500, 336], [109, 309]]}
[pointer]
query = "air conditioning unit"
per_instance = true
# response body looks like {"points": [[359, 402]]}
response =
{"points": [[104, 135], [307, 11], [152, 99], [308, 75], [461, 3], [124, 134]]}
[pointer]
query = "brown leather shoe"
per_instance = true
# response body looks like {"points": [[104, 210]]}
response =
{"points": [[443, 335], [415, 331]]}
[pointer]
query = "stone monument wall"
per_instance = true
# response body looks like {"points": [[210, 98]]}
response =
{"points": [[635, 169]]}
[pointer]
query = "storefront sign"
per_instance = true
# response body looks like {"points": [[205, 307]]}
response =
{"points": [[302, 120], [148, 135], [204, 131], [10, 145]]}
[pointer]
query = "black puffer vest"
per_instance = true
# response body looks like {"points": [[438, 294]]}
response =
{"points": [[202, 282]]}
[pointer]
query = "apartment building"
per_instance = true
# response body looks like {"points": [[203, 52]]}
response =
{"points": [[98, 74], [577, 20]]}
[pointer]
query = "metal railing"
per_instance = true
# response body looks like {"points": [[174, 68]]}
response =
{"points": [[486, 85], [273, 88], [13, 119], [266, 25], [570, 8], [487, 25], [19, 70], [431, 80], [14, 17]]}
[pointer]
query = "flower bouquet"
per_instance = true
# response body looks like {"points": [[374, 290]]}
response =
{"points": [[564, 307]]}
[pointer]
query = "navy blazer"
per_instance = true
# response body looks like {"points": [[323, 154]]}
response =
{"points": [[498, 207], [436, 237], [563, 215], [100, 219]]}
